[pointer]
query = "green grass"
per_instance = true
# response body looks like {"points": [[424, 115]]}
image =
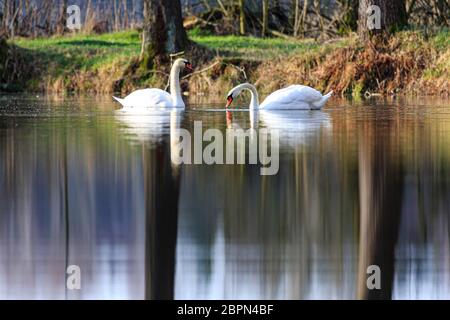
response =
{"points": [[60, 55], [441, 67], [442, 39], [252, 48], [89, 52]]}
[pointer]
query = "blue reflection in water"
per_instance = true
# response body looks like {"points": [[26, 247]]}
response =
{"points": [[357, 185]]}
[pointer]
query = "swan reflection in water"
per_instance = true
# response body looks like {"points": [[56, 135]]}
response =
{"points": [[374, 191], [169, 197], [295, 127], [152, 126], [240, 234]]}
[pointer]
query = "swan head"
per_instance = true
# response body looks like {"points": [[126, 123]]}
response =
{"points": [[183, 64], [233, 93], [230, 98]]}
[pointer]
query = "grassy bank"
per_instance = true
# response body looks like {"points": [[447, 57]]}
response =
{"points": [[409, 63], [79, 62]]}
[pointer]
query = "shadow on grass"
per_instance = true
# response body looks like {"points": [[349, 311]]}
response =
{"points": [[95, 43]]}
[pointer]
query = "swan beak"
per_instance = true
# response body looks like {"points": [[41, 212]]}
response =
{"points": [[229, 119], [229, 101], [189, 67]]}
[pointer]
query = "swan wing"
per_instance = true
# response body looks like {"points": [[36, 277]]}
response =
{"points": [[148, 98], [293, 97]]}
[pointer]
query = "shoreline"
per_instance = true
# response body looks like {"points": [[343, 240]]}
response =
{"points": [[408, 64]]}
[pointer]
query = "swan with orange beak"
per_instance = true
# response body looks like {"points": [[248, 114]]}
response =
{"points": [[294, 97], [149, 99]]}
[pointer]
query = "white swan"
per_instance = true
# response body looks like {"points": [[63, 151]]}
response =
{"points": [[294, 97], [150, 98]]}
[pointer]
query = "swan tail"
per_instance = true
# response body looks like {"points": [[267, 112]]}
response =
{"points": [[119, 100], [324, 99]]}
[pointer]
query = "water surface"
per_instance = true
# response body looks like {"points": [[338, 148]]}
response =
{"points": [[359, 183]]}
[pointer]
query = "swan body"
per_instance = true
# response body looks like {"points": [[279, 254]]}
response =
{"points": [[294, 97], [143, 99]]}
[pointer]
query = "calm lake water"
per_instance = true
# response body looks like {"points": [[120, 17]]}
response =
{"points": [[359, 183]]}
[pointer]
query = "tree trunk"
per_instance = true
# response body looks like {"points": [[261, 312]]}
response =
{"points": [[392, 17], [116, 15], [89, 10], [299, 25], [242, 17], [62, 18], [125, 14], [351, 15], [265, 6], [163, 30], [48, 8], [6, 14], [133, 14]]}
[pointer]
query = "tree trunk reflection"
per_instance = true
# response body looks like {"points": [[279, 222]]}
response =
{"points": [[381, 189], [161, 183]]}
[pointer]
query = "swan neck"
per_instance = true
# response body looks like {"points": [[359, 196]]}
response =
{"points": [[254, 118], [254, 100], [175, 90]]}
